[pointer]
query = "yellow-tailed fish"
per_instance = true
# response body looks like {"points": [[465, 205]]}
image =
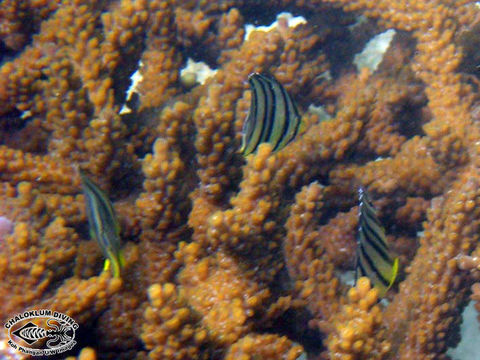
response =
{"points": [[104, 226], [373, 255], [273, 116]]}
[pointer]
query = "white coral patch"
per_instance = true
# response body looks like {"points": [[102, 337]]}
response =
{"points": [[292, 21], [135, 79], [200, 70], [372, 55]]}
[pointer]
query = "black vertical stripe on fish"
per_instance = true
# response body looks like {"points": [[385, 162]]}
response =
{"points": [[255, 123], [380, 263], [376, 232], [369, 269], [370, 222], [102, 214], [373, 266], [270, 104], [103, 224], [371, 228], [291, 113], [99, 209], [376, 242], [373, 257], [280, 119], [273, 116], [247, 130]]}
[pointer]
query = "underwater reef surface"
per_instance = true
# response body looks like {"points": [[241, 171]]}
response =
{"points": [[232, 257]]}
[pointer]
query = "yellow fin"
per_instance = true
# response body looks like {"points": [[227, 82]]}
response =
{"points": [[115, 265], [116, 269], [382, 289], [106, 265], [394, 273]]}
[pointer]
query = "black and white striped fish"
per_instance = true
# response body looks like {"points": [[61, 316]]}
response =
{"points": [[373, 255], [273, 116], [104, 226]]}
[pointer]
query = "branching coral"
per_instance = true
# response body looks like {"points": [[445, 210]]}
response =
{"points": [[227, 257], [356, 324]]}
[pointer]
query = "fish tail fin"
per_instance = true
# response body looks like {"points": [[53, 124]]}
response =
{"points": [[114, 264], [116, 268]]}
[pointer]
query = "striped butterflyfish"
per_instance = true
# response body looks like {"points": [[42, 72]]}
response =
{"points": [[373, 255], [103, 223], [273, 116]]}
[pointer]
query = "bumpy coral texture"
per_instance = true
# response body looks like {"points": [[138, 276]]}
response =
{"points": [[356, 323], [227, 257]]}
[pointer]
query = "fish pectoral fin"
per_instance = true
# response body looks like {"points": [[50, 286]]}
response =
{"points": [[394, 272], [106, 265]]}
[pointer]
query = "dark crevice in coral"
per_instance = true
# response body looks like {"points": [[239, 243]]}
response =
{"points": [[136, 122], [12, 121], [198, 52], [341, 44], [15, 126], [126, 182], [294, 325], [407, 115], [6, 53], [259, 14], [82, 229]]}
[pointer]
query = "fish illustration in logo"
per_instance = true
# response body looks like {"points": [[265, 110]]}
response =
{"points": [[58, 334]]}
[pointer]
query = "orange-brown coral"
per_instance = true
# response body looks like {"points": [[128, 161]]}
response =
{"points": [[264, 347], [357, 325], [226, 257], [226, 298], [171, 329]]}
